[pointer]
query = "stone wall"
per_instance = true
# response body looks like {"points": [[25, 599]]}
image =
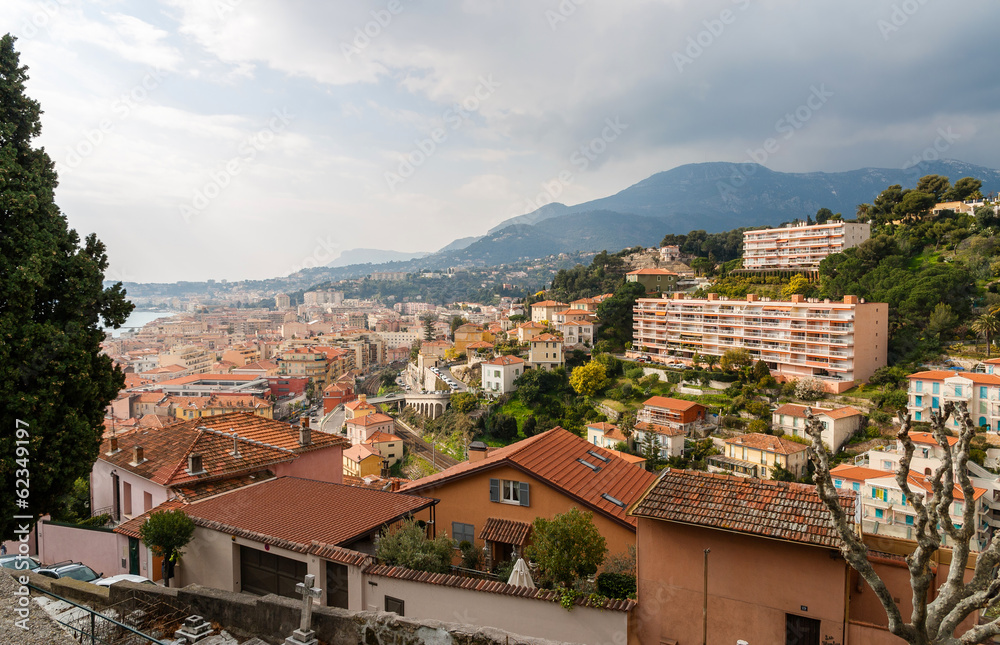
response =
{"points": [[273, 618]]}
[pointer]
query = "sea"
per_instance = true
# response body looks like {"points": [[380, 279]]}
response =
{"points": [[137, 320]]}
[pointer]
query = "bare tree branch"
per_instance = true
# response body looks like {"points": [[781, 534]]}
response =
{"points": [[936, 614]]}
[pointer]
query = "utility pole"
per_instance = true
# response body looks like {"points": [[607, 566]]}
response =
{"points": [[704, 609]]}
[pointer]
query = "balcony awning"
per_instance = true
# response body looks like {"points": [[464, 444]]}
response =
{"points": [[505, 531]]}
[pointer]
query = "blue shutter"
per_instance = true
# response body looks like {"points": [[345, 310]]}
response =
{"points": [[523, 494], [494, 490]]}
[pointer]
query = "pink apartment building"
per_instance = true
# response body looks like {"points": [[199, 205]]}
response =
{"points": [[836, 343]]}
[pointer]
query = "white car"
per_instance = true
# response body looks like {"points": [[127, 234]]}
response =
{"points": [[127, 577]]}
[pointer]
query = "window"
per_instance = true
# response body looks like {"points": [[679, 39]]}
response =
{"points": [[935, 388], [507, 491], [958, 390], [886, 464], [916, 416], [919, 386], [909, 520], [920, 400], [982, 391], [147, 502], [395, 605], [855, 486], [127, 498], [934, 402], [463, 533], [879, 512], [838, 483], [958, 508]]}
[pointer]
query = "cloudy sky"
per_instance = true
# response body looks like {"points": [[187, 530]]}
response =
{"points": [[245, 138]]}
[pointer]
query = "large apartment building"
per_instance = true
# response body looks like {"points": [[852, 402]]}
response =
{"points": [[836, 343], [800, 247]]}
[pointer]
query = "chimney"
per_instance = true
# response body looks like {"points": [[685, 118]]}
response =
{"points": [[850, 300], [751, 297], [713, 296], [798, 297], [363, 398], [305, 434], [194, 464], [477, 451], [236, 446], [114, 446], [305, 422], [137, 457], [678, 296]]}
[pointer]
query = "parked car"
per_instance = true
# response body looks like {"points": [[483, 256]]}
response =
{"points": [[26, 562], [74, 570], [127, 577]]}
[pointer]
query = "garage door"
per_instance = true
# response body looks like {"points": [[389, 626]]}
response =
{"points": [[263, 573]]}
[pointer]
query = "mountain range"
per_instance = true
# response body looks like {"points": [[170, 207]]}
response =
{"points": [[715, 197]]}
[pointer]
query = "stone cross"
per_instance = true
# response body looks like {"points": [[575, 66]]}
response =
{"points": [[308, 592]]}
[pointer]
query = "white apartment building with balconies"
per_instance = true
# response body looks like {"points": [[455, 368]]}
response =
{"points": [[800, 247], [930, 390], [836, 343]]}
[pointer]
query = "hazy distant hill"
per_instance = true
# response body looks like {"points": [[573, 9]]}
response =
{"points": [[373, 256], [720, 196]]}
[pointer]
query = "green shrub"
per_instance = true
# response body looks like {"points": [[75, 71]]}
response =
{"points": [[616, 585], [634, 373]]}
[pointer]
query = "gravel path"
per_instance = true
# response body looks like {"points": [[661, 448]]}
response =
{"points": [[41, 629]]}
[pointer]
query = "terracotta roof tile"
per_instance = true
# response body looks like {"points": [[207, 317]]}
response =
{"points": [[660, 430], [370, 420], [552, 457], [491, 586], [289, 508], [940, 375], [669, 403], [779, 510], [768, 443], [505, 531], [793, 410], [505, 360]]}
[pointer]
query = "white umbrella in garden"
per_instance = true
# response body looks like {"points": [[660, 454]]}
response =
{"points": [[521, 576]]}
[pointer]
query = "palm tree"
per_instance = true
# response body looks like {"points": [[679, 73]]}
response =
{"points": [[988, 325]]}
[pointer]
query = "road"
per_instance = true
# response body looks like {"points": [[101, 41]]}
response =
{"points": [[418, 446], [461, 387]]}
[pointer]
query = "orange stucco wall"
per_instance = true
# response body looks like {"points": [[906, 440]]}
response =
{"points": [[467, 500], [752, 583], [871, 338]]}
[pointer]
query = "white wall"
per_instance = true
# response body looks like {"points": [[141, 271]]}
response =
{"points": [[524, 616]]}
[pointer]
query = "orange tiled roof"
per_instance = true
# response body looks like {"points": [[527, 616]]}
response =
{"points": [[779, 510], [358, 404], [285, 509], [370, 419], [857, 473], [479, 344], [359, 452], [651, 272], [505, 360], [203, 490], [768, 443], [492, 586], [928, 438], [551, 457], [940, 375], [548, 303], [668, 403], [660, 430], [541, 338], [799, 411], [505, 531], [381, 437], [261, 442]]}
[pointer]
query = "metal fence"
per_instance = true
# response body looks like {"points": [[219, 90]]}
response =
{"points": [[91, 627]]}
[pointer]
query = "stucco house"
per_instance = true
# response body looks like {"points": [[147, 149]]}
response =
{"points": [[839, 424], [499, 374]]}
